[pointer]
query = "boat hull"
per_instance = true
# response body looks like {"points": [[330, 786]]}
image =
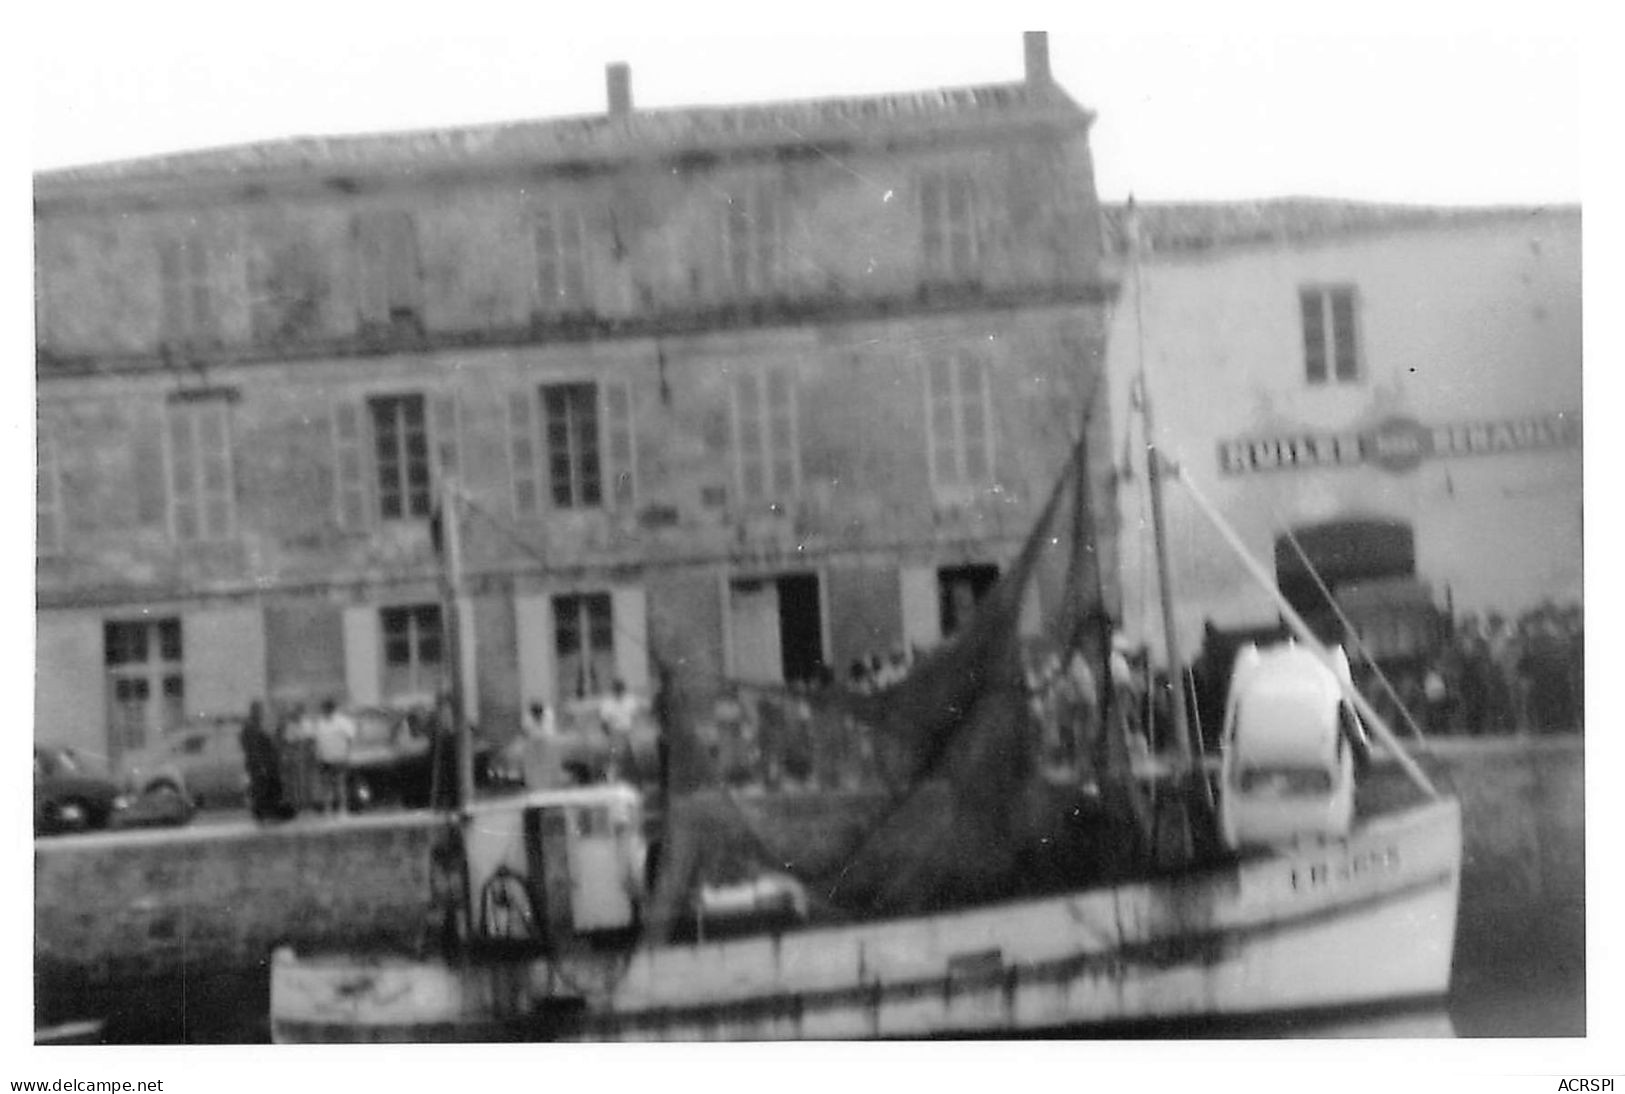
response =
{"points": [[1365, 920]]}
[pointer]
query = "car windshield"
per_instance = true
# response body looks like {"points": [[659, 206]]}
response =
{"points": [[1284, 781]]}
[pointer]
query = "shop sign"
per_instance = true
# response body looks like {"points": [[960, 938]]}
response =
{"points": [[1397, 444]]}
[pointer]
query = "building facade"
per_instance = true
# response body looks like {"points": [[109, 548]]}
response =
{"points": [[753, 391], [1328, 369]]}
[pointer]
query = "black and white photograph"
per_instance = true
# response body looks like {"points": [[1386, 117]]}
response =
{"points": [[829, 533]]}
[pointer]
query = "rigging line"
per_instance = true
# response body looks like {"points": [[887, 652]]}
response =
{"points": [[1257, 572], [1348, 629]]}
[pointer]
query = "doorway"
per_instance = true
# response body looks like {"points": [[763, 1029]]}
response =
{"points": [[960, 589], [777, 628]]}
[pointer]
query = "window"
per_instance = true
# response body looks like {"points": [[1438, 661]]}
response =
{"points": [[1331, 347], [183, 276], [561, 260], [401, 451], [948, 240], [765, 441], [755, 236], [146, 684], [390, 273], [578, 438], [48, 519], [414, 651], [198, 451], [584, 640], [960, 435]]}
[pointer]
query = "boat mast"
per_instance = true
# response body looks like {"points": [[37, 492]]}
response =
{"points": [[1185, 749], [452, 542]]}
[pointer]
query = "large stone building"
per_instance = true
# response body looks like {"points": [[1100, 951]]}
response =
{"points": [[1398, 387], [752, 390]]}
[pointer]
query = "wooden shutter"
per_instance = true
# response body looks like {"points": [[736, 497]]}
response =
{"points": [[921, 606], [621, 456], [535, 642], [372, 286], [350, 464], [629, 610], [363, 655], [931, 218], [217, 496], [447, 434], [171, 282], [522, 452]]}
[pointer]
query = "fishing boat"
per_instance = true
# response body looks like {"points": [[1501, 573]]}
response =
{"points": [[987, 896]]}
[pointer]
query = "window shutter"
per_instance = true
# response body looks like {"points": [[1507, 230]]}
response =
{"points": [[533, 624], [171, 276], [363, 655], [781, 441], [148, 472], [921, 606], [372, 288], [447, 434], [349, 465], [931, 216], [215, 465], [619, 434], [629, 610], [522, 452]]}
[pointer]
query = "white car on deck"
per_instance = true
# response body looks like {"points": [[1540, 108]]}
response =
{"points": [[1290, 737]]}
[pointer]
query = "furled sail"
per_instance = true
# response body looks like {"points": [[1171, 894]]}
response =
{"points": [[959, 745]]}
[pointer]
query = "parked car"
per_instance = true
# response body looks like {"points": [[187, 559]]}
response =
{"points": [[71, 792], [201, 762]]}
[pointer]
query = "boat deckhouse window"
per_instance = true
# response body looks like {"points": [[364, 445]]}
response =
{"points": [[1331, 345]]}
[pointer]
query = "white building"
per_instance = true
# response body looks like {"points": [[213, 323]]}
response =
{"points": [[1312, 363]]}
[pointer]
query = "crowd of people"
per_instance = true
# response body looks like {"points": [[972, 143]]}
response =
{"points": [[1498, 676]]}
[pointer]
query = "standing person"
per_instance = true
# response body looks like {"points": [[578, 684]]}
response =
{"points": [[335, 734], [263, 765], [617, 713]]}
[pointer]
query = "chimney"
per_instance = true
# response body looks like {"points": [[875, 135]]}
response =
{"points": [[619, 78], [1037, 45]]}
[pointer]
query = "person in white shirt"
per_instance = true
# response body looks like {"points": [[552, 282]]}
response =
{"points": [[617, 712], [335, 735]]}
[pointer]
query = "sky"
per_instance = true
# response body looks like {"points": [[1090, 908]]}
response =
{"points": [[1444, 105]]}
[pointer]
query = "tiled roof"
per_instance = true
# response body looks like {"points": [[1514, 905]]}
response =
{"points": [[663, 131], [1186, 227]]}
